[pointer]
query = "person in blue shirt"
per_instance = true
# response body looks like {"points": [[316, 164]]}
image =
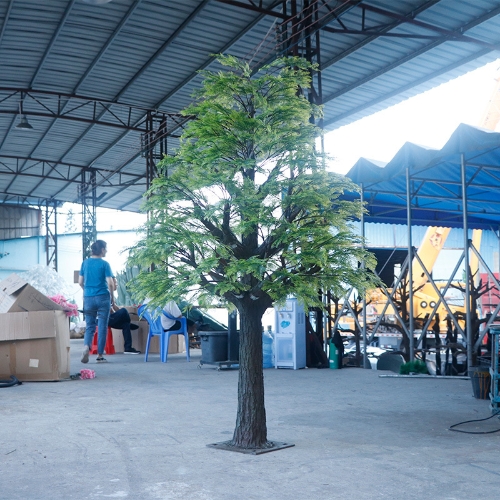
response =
{"points": [[96, 279]]}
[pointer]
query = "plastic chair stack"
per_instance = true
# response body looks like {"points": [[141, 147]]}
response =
{"points": [[109, 347], [156, 329]]}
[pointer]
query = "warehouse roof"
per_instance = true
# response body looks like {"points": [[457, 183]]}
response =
{"points": [[92, 79]]}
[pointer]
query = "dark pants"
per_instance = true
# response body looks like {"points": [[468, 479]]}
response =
{"points": [[96, 309], [121, 321]]}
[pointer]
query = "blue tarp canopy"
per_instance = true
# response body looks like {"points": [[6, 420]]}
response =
{"points": [[436, 182]]}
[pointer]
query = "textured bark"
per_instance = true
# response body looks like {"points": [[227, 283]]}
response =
{"points": [[251, 429]]}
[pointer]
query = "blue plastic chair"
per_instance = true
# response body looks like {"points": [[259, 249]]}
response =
{"points": [[183, 330], [156, 328]]}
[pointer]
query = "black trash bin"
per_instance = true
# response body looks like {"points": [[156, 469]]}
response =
{"points": [[213, 347]]}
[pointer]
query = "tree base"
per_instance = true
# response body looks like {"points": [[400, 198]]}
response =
{"points": [[270, 446]]}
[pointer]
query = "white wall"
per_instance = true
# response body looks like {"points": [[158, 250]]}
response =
{"points": [[21, 254], [25, 253]]}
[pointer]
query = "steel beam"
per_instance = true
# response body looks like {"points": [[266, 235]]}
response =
{"points": [[88, 200], [468, 320], [51, 233], [255, 8]]}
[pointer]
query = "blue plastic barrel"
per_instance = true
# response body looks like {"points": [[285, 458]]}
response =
{"points": [[267, 350]]}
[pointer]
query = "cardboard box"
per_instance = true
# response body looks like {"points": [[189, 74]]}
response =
{"points": [[132, 310], [139, 337], [17, 296], [118, 340], [34, 346]]}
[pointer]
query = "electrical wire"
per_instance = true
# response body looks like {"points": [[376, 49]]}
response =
{"points": [[11, 382], [452, 428]]}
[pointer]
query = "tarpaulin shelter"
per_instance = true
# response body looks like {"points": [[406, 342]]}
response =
{"points": [[456, 186]]}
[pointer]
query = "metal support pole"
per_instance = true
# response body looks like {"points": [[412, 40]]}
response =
{"points": [[410, 267], [154, 143], [327, 324], [366, 363], [148, 148], [328, 320], [468, 319], [295, 22], [149, 151], [319, 87], [51, 233], [88, 200]]}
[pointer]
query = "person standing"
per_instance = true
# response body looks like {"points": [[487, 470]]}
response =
{"points": [[96, 279]]}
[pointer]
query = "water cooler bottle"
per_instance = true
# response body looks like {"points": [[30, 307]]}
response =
{"points": [[290, 336]]}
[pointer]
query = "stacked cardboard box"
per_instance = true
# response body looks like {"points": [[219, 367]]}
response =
{"points": [[34, 334]]}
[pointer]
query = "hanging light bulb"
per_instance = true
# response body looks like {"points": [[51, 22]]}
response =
{"points": [[23, 121], [24, 124]]}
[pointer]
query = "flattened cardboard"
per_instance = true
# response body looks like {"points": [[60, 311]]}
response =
{"points": [[17, 296], [12, 284], [34, 346]]}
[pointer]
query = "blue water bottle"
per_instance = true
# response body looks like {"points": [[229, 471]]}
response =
{"points": [[268, 348]]}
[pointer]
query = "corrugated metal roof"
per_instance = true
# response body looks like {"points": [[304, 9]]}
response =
{"points": [[87, 74]]}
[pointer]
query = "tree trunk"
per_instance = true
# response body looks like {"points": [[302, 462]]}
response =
{"points": [[251, 430]]}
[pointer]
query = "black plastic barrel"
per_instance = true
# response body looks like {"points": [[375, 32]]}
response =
{"points": [[213, 346]]}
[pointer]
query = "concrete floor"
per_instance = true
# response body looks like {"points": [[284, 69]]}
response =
{"points": [[139, 431]]}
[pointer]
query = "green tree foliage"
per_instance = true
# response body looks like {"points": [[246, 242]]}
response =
{"points": [[246, 213]]}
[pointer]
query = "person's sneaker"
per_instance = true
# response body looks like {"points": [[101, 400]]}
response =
{"points": [[85, 355], [132, 351], [134, 326], [101, 359]]}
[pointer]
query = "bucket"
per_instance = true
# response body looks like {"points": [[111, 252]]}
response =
{"points": [[481, 382]]}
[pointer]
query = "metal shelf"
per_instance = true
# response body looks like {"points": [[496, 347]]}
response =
{"points": [[495, 375]]}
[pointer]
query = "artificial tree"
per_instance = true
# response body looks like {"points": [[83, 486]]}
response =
{"points": [[246, 212]]}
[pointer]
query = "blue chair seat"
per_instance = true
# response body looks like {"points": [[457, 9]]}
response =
{"points": [[156, 329]]}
